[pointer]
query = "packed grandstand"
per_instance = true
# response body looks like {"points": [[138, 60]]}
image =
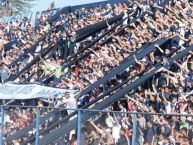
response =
{"points": [[119, 55]]}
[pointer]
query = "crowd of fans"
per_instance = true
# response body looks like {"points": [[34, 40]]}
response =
{"points": [[62, 30], [168, 92]]}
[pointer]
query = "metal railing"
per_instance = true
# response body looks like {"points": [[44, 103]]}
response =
{"points": [[107, 126]]}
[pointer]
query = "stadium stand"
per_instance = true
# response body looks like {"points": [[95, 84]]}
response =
{"points": [[128, 56]]}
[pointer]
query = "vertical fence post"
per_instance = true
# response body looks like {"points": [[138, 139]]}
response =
{"points": [[79, 127], [2, 125], [134, 128], [37, 125]]}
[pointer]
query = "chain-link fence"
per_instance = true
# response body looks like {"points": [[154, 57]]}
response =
{"points": [[59, 126]]}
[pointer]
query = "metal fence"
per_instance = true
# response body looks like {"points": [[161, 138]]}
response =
{"points": [[103, 126]]}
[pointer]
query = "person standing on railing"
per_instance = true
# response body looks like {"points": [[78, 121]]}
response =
{"points": [[66, 45], [69, 46]]}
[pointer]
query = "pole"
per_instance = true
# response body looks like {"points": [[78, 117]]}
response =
{"points": [[134, 128], [37, 126], [2, 125], [79, 128]]}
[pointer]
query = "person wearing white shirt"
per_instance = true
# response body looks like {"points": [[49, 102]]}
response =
{"points": [[70, 102], [109, 121], [124, 17], [116, 130]]}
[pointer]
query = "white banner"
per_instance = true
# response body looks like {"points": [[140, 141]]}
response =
{"points": [[29, 91]]}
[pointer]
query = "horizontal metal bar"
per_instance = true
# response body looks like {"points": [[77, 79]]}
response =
{"points": [[103, 111]]}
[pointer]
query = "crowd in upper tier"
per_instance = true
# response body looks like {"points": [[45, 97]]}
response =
{"points": [[168, 92]]}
